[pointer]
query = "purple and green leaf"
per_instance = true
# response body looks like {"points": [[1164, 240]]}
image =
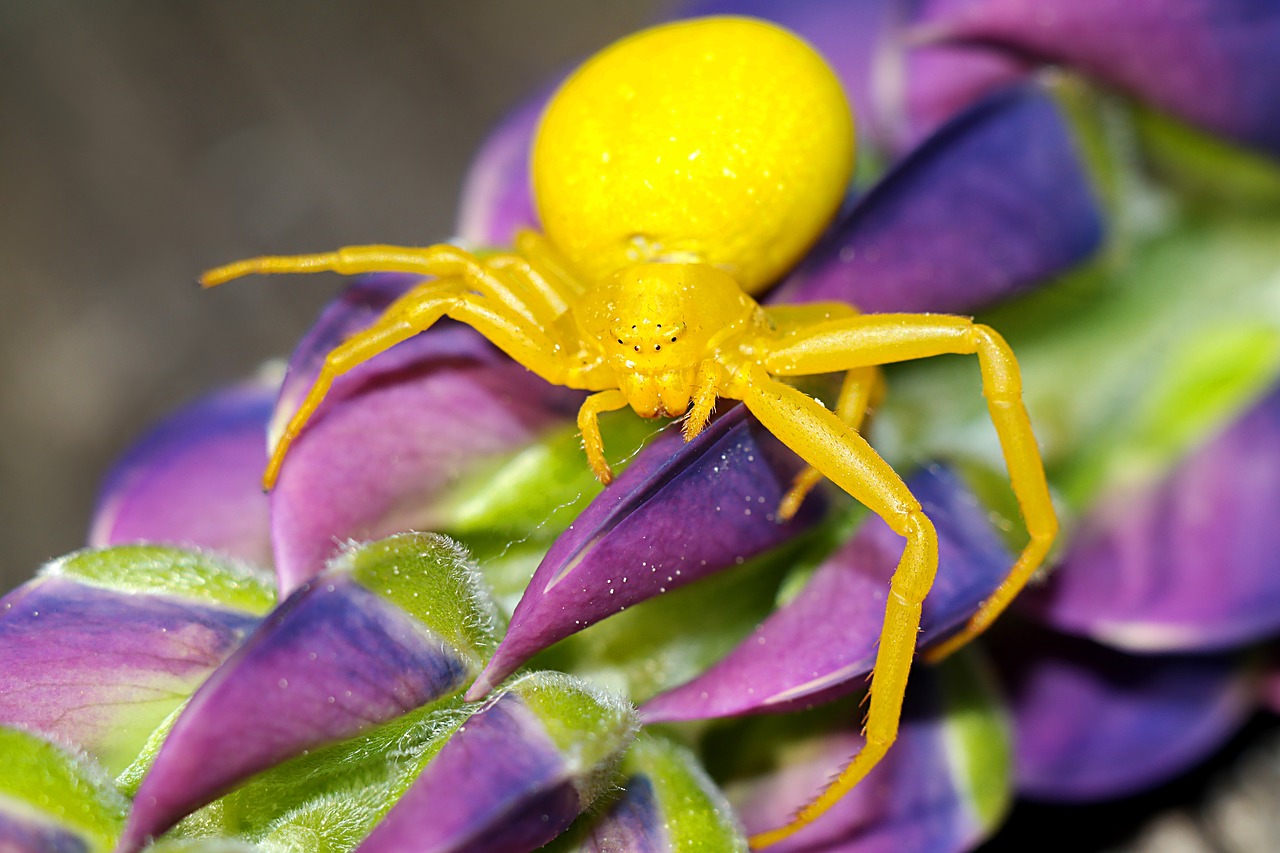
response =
{"points": [[667, 804], [104, 644], [389, 627], [515, 774]]}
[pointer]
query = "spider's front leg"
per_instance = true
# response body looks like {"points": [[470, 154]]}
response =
{"points": [[826, 442], [886, 338], [522, 288], [513, 301]]}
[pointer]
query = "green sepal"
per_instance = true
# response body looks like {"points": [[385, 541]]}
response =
{"points": [[591, 727], [695, 812], [331, 794], [978, 735], [433, 579], [44, 783], [198, 576]]}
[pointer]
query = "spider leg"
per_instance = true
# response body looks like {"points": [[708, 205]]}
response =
{"points": [[516, 333], [589, 425], [825, 441], [442, 260], [710, 375], [859, 391], [885, 338]]}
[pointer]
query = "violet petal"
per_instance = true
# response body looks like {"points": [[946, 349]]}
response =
{"points": [[633, 823], [1093, 723], [1184, 563], [497, 192], [22, 833], [939, 81], [678, 513], [823, 643], [334, 659], [398, 432], [942, 788], [1215, 63], [513, 776], [195, 479], [100, 667], [991, 205]]}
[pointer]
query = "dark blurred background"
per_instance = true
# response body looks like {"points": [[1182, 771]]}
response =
{"points": [[141, 142]]}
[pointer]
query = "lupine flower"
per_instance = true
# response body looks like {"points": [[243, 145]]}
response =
{"points": [[1150, 374]]}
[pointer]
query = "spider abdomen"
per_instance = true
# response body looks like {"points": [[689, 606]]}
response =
{"points": [[726, 141]]}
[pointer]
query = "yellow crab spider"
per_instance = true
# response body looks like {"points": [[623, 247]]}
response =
{"points": [[676, 173]]}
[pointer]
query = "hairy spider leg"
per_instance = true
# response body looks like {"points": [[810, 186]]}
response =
{"points": [[859, 393], [710, 375], [589, 424], [823, 440]]}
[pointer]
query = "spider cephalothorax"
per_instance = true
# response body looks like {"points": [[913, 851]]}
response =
{"points": [[652, 325], [676, 173]]}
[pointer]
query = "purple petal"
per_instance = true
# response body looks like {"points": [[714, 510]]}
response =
{"points": [[1093, 723], [1185, 563], [499, 785], [331, 661], [678, 513], [195, 480], [397, 432], [850, 36], [993, 204], [939, 81], [1215, 63], [821, 645], [497, 193], [101, 669], [633, 823], [24, 833], [923, 795]]}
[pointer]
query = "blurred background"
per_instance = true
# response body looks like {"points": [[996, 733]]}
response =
{"points": [[141, 142]]}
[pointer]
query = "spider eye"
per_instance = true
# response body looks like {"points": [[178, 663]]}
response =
{"points": [[657, 347]]}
